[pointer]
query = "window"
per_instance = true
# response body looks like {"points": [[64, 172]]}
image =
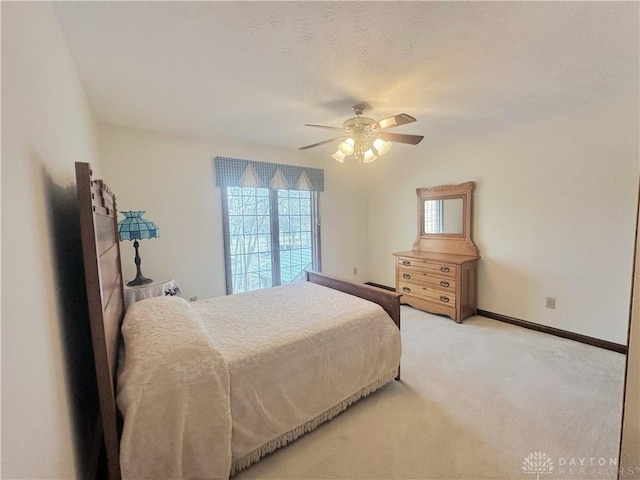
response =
{"points": [[270, 221], [271, 236], [433, 221]]}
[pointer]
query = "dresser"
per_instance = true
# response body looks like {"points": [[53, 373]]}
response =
{"points": [[440, 272], [441, 283]]}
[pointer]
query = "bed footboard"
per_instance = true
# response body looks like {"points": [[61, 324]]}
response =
{"points": [[389, 301]]}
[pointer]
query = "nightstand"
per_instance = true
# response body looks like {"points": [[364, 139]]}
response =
{"points": [[155, 289]]}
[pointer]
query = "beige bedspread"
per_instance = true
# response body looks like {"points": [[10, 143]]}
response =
{"points": [[173, 392], [293, 356]]}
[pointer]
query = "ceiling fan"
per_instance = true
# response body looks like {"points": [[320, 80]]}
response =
{"points": [[366, 139]]}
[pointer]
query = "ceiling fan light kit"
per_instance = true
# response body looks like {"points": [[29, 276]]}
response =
{"points": [[364, 138], [347, 146], [339, 156]]}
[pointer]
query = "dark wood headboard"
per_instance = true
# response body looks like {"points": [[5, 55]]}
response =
{"points": [[105, 295]]}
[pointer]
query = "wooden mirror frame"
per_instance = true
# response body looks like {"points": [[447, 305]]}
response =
{"points": [[460, 244]]}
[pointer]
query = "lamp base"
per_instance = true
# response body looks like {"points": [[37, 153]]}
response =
{"points": [[139, 280]]}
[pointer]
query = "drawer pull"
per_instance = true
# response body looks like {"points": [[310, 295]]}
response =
{"points": [[406, 289], [406, 262], [444, 269], [444, 283], [444, 299], [406, 275]]}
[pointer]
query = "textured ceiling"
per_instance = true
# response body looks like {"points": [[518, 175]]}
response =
{"points": [[257, 71]]}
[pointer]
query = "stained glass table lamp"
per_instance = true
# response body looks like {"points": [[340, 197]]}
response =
{"points": [[135, 228]]}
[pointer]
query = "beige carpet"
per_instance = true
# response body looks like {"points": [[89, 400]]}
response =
{"points": [[474, 401]]}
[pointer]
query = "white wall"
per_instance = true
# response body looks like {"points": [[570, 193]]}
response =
{"points": [[48, 391], [554, 212], [172, 178]]}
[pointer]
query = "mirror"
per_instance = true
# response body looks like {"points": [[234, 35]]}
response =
{"points": [[443, 216], [444, 219]]}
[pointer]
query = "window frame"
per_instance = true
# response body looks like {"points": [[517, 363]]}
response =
{"points": [[274, 223]]}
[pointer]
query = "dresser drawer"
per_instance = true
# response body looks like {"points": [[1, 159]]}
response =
{"points": [[420, 277], [426, 293], [437, 268]]}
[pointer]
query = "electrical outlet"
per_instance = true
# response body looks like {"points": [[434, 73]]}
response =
{"points": [[193, 299], [550, 303], [355, 270]]}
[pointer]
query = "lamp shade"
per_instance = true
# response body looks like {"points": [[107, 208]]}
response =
{"points": [[369, 156], [339, 156], [134, 227], [347, 146], [381, 146]]}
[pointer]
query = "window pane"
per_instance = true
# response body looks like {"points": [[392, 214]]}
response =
{"points": [[252, 261], [295, 248], [305, 206], [433, 216], [264, 243], [285, 267], [235, 204], [284, 224], [265, 262], [262, 206], [238, 282], [235, 225], [253, 281], [248, 191], [305, 240], [250, 226], [237, 264], [249, 244], [283, 205], [294, 206], [264, 225], [296, 257], [285, 241], [236, 244], [250, 204], [294, 223]]}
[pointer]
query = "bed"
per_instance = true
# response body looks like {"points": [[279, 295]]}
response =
{"points": [[207, 388]]}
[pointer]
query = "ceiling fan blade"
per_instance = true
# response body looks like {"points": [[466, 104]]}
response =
{"points": [[322, 143], [324, 126], [400, 119], [401, 138]]}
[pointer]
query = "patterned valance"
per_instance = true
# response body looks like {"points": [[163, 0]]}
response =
{"points": [[235, 172]]}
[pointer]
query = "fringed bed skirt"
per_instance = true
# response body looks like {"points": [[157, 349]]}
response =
{"points": [[252, 457]]}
